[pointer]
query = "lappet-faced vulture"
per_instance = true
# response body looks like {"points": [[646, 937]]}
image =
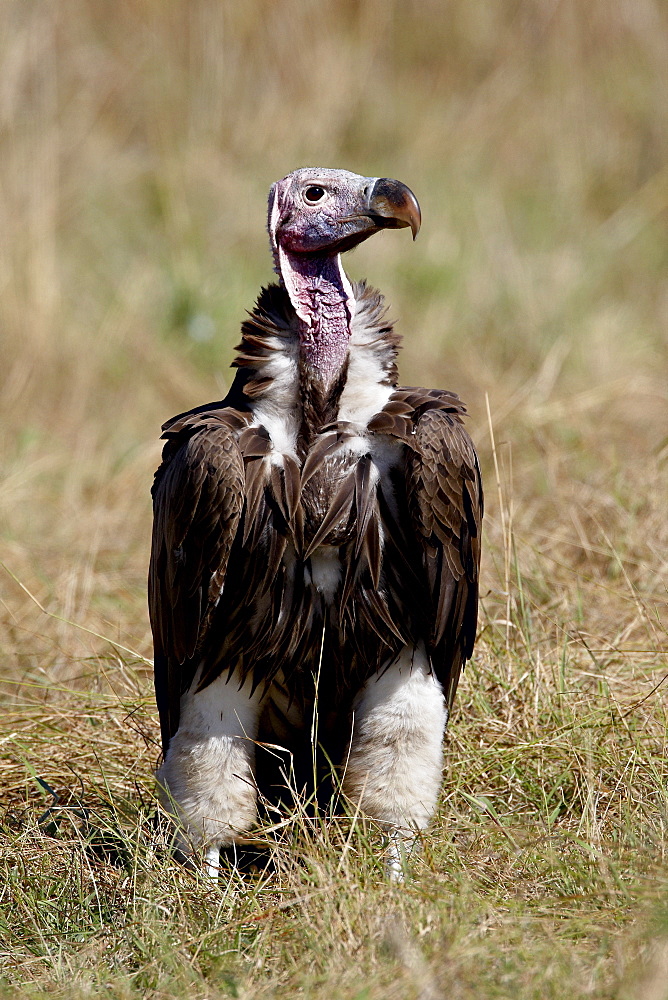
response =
{"points": [[316, 546]]}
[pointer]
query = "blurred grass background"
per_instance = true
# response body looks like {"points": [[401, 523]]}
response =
{"points": [[138, 141]]}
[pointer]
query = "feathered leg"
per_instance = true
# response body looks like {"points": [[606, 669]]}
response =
{"points": [[207, 779], [395, 760]]}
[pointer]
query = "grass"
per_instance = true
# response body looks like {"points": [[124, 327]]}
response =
{"points": [[137, 144]]}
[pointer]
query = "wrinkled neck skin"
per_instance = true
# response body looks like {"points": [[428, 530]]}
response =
{"points": [[323, 299]]}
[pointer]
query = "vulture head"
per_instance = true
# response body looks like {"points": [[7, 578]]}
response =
{"points": [[318, 211], [315, 214]]}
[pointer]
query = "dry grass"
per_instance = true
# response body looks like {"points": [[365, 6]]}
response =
{"points": [[137, 143]]}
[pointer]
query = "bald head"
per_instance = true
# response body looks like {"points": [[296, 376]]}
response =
{"points": [[322, 211]]}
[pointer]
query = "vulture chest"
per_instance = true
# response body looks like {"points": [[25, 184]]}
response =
{"points": [[327, 499]]}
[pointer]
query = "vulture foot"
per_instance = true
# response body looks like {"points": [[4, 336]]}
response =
{"points": [[400, 848], [212, 863]]}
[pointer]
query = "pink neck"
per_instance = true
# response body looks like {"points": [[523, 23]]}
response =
{"points": [[323, 300]]}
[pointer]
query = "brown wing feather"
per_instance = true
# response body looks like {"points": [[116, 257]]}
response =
{"points": [[198, 498], [446, 505]]}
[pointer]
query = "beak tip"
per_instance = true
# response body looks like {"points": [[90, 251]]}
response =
{"points": [[414, 216]]}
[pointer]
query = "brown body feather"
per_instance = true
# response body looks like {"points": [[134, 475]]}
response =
{"points": [[237, 524]]}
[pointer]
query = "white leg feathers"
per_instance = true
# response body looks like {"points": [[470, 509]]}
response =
{"points": [[394, 765], [207, 777], [392, 772]]}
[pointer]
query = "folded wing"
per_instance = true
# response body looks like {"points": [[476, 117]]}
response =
{"points": [[198, 497], [446, 507]]}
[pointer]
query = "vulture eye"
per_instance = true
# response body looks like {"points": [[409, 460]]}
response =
{"points": [[314, 194]]}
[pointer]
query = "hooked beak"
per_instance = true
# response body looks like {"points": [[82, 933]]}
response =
{"points": [[392, 205], [384, 204]]}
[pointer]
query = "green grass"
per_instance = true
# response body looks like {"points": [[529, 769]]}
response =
{"points": [[137, 145]]}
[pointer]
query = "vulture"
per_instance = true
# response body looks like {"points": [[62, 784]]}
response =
{"points": [[313, 582]]}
